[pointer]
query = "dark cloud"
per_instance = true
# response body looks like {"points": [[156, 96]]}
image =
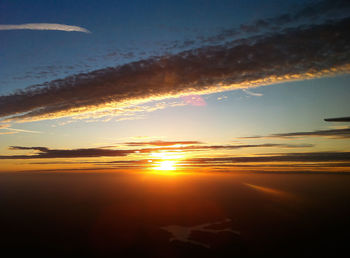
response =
{"points": [[265, 145], [314, 12], [294, 54], [343, 133], [338, 119], [221, 147], [46, 153], [286, 157]]}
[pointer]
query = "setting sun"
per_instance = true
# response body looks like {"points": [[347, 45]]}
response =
{"points": [[166, 161], [165, 165]]}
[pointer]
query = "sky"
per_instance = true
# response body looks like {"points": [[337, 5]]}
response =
{"points": [[175, 86]]}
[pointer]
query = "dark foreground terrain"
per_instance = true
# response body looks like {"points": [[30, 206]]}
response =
{"points": [[148, 215]]}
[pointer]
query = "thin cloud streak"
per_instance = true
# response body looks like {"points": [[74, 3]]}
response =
{"points": [[338, 119], [14, 130], [45, 153], [255, 94], [161, 143], [285, 157], [43, 26], [343, 133]]}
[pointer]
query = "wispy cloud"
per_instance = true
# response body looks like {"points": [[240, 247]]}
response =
{"points": [[255, 94], [43, 26], [7, 133], [14, 130], [342, 133]]}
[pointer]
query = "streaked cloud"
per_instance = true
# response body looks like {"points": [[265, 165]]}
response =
{"points": [[240, 64], [14, 130], [306, 162], [342, 133], [162, 143], [4, 126], [338, 119], [43, 26], [255, 94], [44, 152], [7, 133], [284, 157]]}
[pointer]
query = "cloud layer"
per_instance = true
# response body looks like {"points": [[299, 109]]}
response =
{"points": [[343, 133], [43, 26], [44, 152], [315, 12], [304, 52]]}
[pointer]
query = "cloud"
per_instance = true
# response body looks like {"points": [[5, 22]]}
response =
{"points": [[240, 146], [189, 148], [304, 52], [281, 163], [4, 126], [128, 112], [44, 152], [7, 133], [342, 133], [43, 26], [162, 143], [253, 93], [315, 12], [285, 157], [338, 119], [22, 130], [14, 130]]}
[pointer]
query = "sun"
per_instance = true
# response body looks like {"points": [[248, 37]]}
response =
{"points": [[166, 165], [166, 161]]}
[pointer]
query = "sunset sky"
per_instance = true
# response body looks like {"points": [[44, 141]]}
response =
{"points": [[174, 86]]}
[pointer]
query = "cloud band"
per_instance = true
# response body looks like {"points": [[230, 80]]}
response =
{"points": [[295, 54], [43, 26]]}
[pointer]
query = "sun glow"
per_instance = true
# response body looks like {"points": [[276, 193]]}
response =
{"points": [[166, 161], [166, 165]]}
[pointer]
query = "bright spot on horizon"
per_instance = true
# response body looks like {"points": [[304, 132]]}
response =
{"points": [[166, 161], [165, 165]]}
